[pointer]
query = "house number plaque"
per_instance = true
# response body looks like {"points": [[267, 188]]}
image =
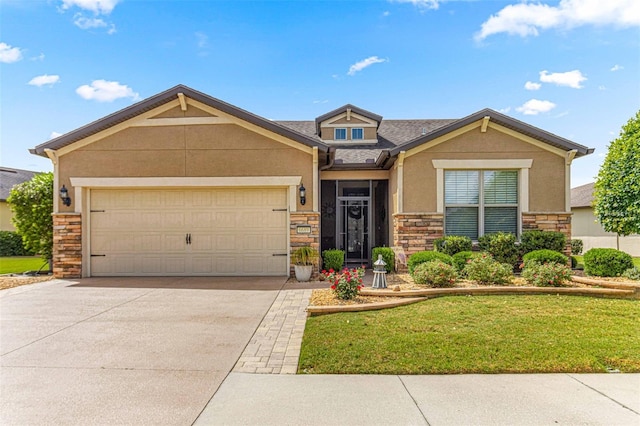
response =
{"points": [[303, 229]]}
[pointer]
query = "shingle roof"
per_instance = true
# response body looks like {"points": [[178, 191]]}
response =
{"points": [[582, 196], [11, 177]]}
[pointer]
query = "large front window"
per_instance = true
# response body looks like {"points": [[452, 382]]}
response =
{"points": [[479, 202]]}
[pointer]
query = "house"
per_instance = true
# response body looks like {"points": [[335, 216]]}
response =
{"points": [[185, 184], [8, 179], [587, 228]]}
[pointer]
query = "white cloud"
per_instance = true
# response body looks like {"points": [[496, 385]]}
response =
{"points": [[44, 80], [99, 7], [530, 85], [386, 13], [203, 40], [569, 78], [528, 19], [9, 54], [359, 66], [106, 91], [616, 67], [505, 110], [535, 107], [85, 23], [54, 135], [321, 102], [602, 87], [40, 57], [422, 4]]}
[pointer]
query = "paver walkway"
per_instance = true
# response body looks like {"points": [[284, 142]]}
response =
{"points": [[275, 346]]}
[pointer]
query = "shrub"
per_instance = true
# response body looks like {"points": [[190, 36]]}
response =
{"points": [[486, 270], [632, 273], [502, 246], [304, 255], [574, 262], [606, 262], [11, 244], [544, 256], [346, 284], [546, 274], [576, 246], [460, 260], [541, 240], [388, 256], [435, 274], [426, 256], [452, 244], [333, 259]]}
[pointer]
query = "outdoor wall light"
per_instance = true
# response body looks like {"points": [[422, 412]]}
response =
{"points": [[64, 196], [303, 194]]}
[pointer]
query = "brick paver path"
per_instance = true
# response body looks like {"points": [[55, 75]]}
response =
{"points": [[275, 346]]}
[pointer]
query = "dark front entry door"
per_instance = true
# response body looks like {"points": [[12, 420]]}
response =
{"points": [[353, 228]]}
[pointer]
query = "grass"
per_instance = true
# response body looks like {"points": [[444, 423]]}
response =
{"points": [[17, 265], [490, 334]]}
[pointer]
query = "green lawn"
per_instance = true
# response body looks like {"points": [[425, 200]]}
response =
{"points": [[479, 334], [16, 265]]}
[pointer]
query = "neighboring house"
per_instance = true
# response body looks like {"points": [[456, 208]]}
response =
{"points": [[184, 184], [8, 179], [587, 228]]}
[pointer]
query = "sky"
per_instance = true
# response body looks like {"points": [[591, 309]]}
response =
{"points": [[570, 67]]}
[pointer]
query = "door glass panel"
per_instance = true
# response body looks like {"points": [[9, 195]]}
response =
{"points": [[354, 232]]}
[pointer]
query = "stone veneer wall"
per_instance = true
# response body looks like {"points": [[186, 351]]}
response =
{"points": [[299, 240], [559, 222], [67, 245], [415, 232]]}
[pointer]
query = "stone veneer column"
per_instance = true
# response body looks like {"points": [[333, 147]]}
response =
{"points": [[299, 240], [67, 245], [416, 232], [559, 222]]}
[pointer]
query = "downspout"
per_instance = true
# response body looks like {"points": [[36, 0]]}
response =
{"points": [[400, 168], [332, 158], [53, 156], [570, 155]]}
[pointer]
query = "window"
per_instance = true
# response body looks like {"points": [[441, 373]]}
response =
{"points": [[479, 202], [357, 133], [340, 134]]}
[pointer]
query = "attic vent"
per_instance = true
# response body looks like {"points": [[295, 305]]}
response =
{"points": [[424, 131]]}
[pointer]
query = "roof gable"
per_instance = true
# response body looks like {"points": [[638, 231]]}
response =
{"points": [[347, 109], [163, 98]]}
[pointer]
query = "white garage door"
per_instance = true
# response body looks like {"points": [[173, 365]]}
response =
{"points": [[189, 232]]}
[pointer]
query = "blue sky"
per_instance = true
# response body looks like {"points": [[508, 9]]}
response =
{"points": [[571, 67]]}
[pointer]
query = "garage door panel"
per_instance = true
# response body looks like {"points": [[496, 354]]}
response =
{"points": [[233, 232]]}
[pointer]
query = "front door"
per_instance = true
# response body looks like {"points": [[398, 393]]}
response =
{"points": [[353, 229]]}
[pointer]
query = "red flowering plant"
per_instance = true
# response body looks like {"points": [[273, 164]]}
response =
{"points": [[346, 284]]}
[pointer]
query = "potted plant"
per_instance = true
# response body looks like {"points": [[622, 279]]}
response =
{"points": [[303, 260]]}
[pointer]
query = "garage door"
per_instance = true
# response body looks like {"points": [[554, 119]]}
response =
{"points": [[189, 232]]}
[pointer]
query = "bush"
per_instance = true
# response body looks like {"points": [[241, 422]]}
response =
{"points": [[502, 246], [435, 274], [574, 262], [606, 262], [460, 260], [388, 256], [544, 256], [452, 244], [632, 273], [333, 259], [346, 284], [11, 244], [546, 274], [542, 240], [486, 270], [426, 256], [576, 246]]}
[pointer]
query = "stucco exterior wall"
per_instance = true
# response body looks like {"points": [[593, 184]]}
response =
{"points": [[546, 176], [223, 150], [5, 217], [586, 228]]}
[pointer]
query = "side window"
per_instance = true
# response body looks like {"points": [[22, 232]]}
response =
{"points": [[357, 133], [340, 134]]}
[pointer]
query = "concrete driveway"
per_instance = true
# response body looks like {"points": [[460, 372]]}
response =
{"points": [[123, 351]]}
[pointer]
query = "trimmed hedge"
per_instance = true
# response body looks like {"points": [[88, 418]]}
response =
{"points": [[545, 256], [460, 259], [388, 256], [333, 259], [606, 262], [11, 244], [427, 256], [452, 244], [501, 246], [542, 240], [435, 274]]}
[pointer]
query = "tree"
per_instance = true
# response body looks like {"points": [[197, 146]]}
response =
{"points": [[617, 189], [32, 205]]}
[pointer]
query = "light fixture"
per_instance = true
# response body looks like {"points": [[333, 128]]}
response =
{"points": [[64, 196], [303, 194]]}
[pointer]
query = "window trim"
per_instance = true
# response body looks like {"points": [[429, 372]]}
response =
{"points": [[335, 134]]}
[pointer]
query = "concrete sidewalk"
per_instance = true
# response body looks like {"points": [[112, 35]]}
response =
{"points": [[526, 399]]}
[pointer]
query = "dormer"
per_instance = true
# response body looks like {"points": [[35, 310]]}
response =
{"points": [[348, 125]]}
